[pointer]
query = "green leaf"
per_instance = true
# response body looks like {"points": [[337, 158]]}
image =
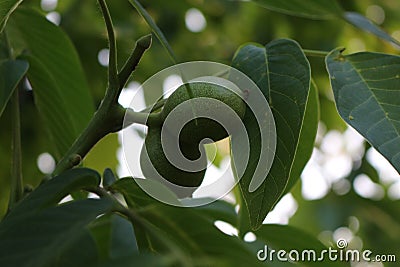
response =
{"points": [[315, 9], [365, 24], [138, 197], [42, 238], [287, 238], [282, 72], [367, 94], [123, 241], [11, 73], [51, 105], [192, 232], [61, 91], [306, 141], [196, 235], [100, 230], [108, 177], [135, 260], [220, 210], [37, 232], [75, 255], [325, 9], [6, 8], [114, 237], [51, 192]]}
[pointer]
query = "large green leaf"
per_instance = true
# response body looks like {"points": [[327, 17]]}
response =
{"points": [[282, 72], [188, 233], [61, 91], [117, 246], [39, 232], [51, 105], [6, 8], [54, 190], [220, 210], [74, 255], [367, 94], [11, 73], [134, 260], [114, 236], [141, 198], [42, 238], [316, 9], [307, 137]]}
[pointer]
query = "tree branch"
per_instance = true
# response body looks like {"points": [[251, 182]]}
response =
{"points": [[110, 115], [130, 65]]}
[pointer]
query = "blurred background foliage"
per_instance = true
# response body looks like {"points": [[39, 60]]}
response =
{"points": [[346, 189]]}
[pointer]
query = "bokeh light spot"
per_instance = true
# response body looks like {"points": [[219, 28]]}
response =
{"points": [[46, 163], [195, 20]]}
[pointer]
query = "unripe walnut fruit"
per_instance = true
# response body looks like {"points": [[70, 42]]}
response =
{"points": [[156, 166], [212, 99]]}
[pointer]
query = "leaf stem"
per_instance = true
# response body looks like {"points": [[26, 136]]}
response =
{"points": [[315, 53], [158, 33], [134, 218], [159, 104], [17, 184], [142, 118], [112, 65]]}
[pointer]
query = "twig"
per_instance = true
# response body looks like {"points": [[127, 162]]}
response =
{"points": [[130, 65], [315, 53], [110, 115]]}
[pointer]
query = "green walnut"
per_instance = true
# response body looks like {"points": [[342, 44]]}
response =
{"points": [[156, 166], [211, 98]]}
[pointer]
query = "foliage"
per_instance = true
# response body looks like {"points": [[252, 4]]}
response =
{"points": [[51, 82], [288, 100]]}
